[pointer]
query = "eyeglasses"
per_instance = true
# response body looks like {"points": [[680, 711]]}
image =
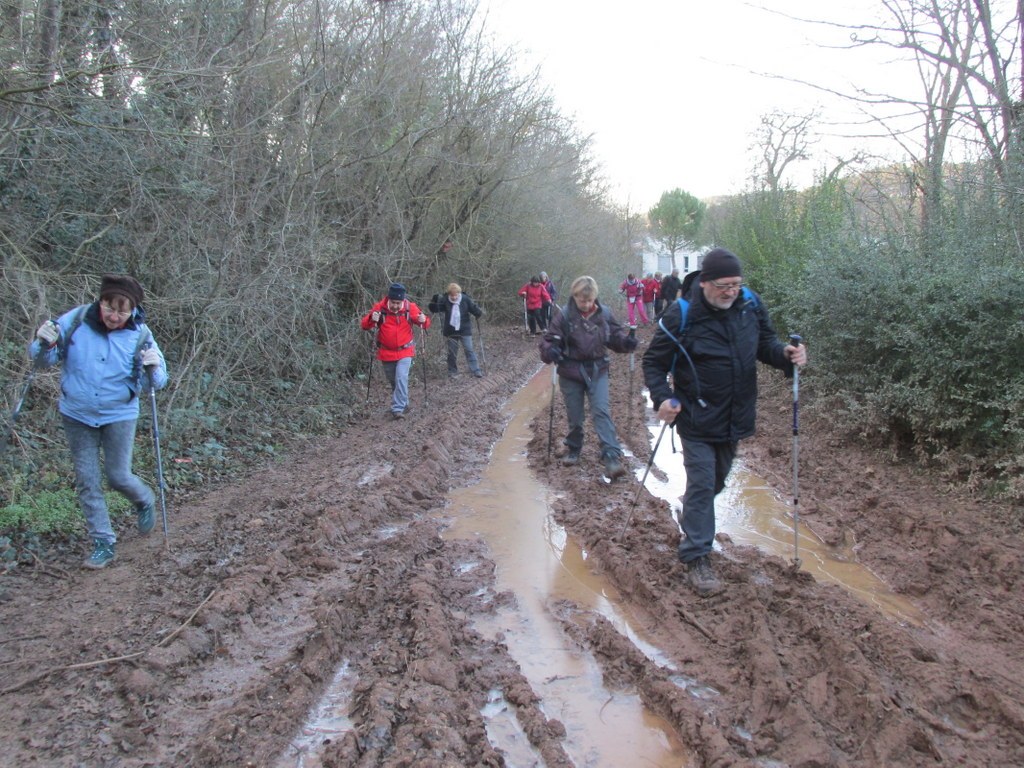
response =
{"points": [[113, 312], [727, 286]]}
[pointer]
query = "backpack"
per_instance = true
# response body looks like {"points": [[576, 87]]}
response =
{"points": [[145, 337], [684, 305]]}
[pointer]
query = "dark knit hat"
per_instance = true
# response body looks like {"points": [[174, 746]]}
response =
{"points": [[396, 291], [719, 263], [122, 285]]}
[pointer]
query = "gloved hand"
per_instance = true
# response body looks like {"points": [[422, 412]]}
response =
{"points": [[150, 357], [48, 333], [421, 319], [556, 355], [375, 316], [632, 342]]}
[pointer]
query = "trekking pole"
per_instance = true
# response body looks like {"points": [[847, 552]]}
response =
{"points": [[551, 409], [675, 404], [526, 315], [795, 340], [156, 449], [423, 342], [37, 363], [480, 333], [632, 367]]}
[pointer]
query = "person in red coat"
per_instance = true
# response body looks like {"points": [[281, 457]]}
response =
{"points": [[652, 289], [633, 289], [537, 300], [394, 317]]}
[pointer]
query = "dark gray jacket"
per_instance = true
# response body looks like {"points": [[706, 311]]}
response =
{"points": [[468, 309]]}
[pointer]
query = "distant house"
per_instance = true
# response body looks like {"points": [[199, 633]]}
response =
{"points": [[656, 258]]}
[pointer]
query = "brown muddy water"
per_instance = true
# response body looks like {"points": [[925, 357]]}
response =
{"points": [[537, 561]]}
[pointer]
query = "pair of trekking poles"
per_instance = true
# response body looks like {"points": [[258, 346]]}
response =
{"points": [[37, 364], [795, 340]]}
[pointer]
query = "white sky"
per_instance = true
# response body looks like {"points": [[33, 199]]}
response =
{"points": [[668, 88]]}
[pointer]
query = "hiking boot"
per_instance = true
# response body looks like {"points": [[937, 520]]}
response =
{"points": [[613, 468], [102, 555], [398, 415], [702, 578], [571, 459], [146, 518], [478, 374]]}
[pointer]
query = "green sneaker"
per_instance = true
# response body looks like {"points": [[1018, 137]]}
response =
{"points": [[146, 518], [102, 555]]}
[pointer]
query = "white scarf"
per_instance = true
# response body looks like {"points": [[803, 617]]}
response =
{"points": [[456, 318]]}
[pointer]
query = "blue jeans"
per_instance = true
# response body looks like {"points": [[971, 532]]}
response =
{"points": [[397, 373], [574, 392], [453, 353], [116, 441], [707, 466]]}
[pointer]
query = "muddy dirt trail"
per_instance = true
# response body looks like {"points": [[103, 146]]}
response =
{"points": [[214, 650]]}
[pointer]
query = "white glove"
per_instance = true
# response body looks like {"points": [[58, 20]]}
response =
{"points": [[375, 316], [48, 333], [421, 319], [150, 357]]}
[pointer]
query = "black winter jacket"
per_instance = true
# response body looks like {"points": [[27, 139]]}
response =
{"points": [[467, 307], [583, 343], [724, 346]]}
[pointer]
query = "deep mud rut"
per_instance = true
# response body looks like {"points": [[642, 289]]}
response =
{"points": [[213, 650]]}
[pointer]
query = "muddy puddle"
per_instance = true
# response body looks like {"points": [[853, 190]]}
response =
{"points": [[751, 512], [541, 564]]}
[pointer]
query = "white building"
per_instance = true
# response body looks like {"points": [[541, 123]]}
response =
{"points": [[656, 258]]}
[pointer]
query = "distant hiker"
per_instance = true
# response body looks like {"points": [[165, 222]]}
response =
{"points": [[537, 300], [459, 310], [549, 286], [670, 287], [711, 353], [577, 341], [103, 349], [633, 290], [393, 317], [652, 288], [659, 302]]}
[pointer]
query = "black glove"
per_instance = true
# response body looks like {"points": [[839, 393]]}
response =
{"points": [[632, 342], [556, 355]]}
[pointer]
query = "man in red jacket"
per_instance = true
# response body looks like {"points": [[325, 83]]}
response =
{"points": [[393, 317]]}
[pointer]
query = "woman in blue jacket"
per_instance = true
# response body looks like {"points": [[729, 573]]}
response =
{"points": [[104, 348]]}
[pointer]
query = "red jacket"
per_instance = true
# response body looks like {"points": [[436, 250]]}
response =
{"points": [[395, 338], [536, 295], [633, 290], [652, 288]]}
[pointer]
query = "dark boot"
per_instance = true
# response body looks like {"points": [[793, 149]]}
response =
{"points": [[102, 555], [702, 578], [146, 518], [613, 468]]}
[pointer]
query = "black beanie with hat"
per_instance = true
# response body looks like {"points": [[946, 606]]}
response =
{"points": [[122, 285], [396, 292], [719, 263]]}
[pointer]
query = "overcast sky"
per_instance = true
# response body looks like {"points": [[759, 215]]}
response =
{"points": [[671, 90]]}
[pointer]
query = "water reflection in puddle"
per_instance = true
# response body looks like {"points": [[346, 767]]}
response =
{"points": [[751, 512], [537, 561]]}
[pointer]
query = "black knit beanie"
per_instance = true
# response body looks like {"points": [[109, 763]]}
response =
{"points": [[719, 263], [396, 291]]}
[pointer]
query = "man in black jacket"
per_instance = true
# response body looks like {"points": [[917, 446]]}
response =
{"points": [[712, 355], [670, 288]]}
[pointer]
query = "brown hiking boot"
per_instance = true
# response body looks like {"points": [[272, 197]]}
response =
{"points": [[613, 468], [702, 578]]}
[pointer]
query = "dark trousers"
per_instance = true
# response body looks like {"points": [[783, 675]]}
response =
{"points": [[707, 465], [537, 318]]}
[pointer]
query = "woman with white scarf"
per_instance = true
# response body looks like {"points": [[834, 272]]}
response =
{"points": [[459, 310]]}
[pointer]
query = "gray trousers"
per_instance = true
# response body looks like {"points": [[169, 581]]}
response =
{"points": [[397, 374], [707, 466], [116, 442], [574, 393], [466, 342]]}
